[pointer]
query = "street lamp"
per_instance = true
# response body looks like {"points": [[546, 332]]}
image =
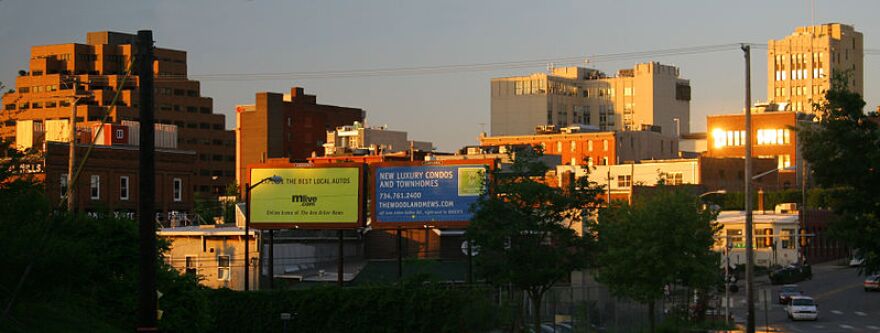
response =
{"points": [[247, 224], [712, 192]]}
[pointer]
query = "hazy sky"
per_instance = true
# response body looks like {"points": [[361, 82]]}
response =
{"points": [[263, 36]]}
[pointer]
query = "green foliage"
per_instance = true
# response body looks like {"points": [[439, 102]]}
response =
{"points": [[843, 149], [81, 271], [524, 228], [660, 240], [423, 308]]}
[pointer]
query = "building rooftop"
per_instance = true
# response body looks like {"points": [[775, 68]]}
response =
{"points": [[739, 216], [205, 230]]}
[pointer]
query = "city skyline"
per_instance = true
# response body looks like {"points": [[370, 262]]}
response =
{"points": [[257, 37]]}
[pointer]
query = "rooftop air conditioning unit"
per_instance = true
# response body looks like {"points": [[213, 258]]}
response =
{"points": [[786, 208]]}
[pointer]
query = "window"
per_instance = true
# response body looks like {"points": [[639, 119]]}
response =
{"points": [[63, 184], [558, 146], [573, 145], [674, 178], [95, 187], [787, 239], [191, 265], [605, 145], [734, 236], [590, 145], [783, 161], [223, 268], [123, 188], [765, 239], [177, 189], [624, 181]]}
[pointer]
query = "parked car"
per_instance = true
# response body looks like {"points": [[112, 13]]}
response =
{"points": [[787, 292], [802, 308], [872, 282], [856, 262], [791, 274]]}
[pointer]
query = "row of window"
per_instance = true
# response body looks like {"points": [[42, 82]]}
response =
{"points": [[223, 267], [179, 108], [573, 145], [541, 87], [723, 138], [800, 74], [165, 91], [216, 157], [124, 187], [798, 60], [764, 238]]}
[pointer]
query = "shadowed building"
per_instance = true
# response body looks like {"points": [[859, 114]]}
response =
{"points": [[292, 126], [94, 72]]}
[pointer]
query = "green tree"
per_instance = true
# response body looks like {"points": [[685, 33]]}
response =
{"points": [[71, 273], [843, 151], [662, 239], [524, 229]]}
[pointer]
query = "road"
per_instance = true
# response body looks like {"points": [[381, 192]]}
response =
{"points": [[844, 306]]}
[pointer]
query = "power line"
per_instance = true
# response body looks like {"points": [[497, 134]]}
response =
{"points": [[450, 69]]}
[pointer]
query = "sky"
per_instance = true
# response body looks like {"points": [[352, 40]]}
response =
{"points": [[450, 109]]}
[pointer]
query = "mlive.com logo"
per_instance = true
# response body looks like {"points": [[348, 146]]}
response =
{"points": [[305, 200]]}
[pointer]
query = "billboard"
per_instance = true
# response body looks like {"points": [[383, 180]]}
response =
{"points": [[308, 197], [418, 195]]}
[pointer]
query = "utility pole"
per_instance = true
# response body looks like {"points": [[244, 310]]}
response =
{"points": [[147, 301], [750, 253], [71, 181]]}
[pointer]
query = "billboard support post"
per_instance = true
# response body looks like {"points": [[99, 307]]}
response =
{"points": [[399, 253], [340, 270], [271, 258], [470, 262], [247, 236]]}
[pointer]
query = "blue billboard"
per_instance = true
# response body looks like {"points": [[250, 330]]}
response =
{"points": [[427, 194]]}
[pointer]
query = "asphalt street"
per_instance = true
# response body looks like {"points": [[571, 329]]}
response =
{"points": [[844, 305]]}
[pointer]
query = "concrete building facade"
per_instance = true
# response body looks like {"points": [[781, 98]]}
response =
{"points": [[215, 253], [292, 126], [649, 95], [371, 140], [801, 66], [59, 74]]}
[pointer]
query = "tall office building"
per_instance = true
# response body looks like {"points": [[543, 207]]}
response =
{"points": [[86, 76], [647, 96], [800, 67]]}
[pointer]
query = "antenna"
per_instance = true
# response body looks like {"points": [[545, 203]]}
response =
{"points": [[812, 11]]}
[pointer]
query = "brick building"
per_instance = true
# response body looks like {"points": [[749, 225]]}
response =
{"points": [[109, 180], [292, 126], [773, 135], [60, 73], [594, 148]]}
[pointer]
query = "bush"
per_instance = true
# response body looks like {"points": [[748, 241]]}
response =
{"points": [[362, 309]]}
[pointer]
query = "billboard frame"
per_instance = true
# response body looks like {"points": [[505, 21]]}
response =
{"points": [[361, 220], [374, 172]]}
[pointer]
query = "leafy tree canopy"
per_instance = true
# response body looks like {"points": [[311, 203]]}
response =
{"points": [[843, 151]]}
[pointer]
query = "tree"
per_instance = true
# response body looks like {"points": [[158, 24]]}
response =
{"points": [[524, 228], [662, 239], [843, 151], [64, 272]]}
